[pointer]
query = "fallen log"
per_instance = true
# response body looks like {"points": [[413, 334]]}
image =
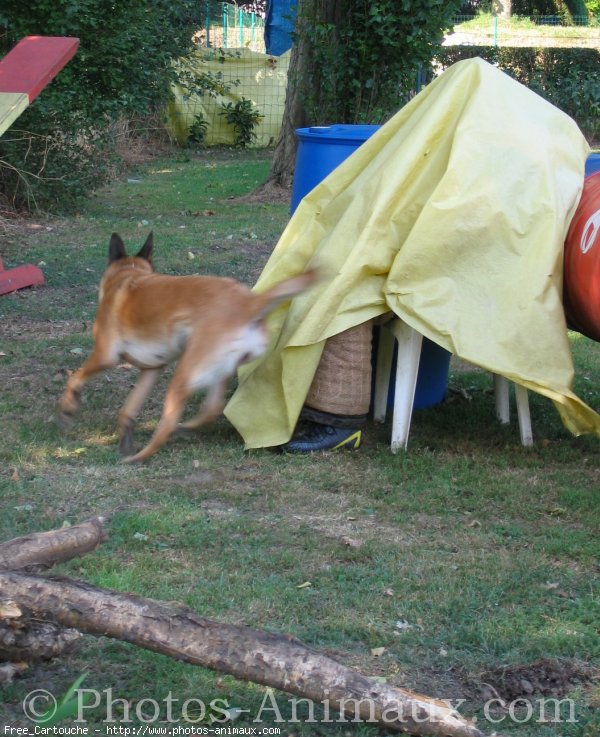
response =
{"points": [[277, 661], [250, 655], [42, 550], [23, 635]]}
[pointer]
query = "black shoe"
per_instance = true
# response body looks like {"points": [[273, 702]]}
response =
{"points": [[312, 436]]}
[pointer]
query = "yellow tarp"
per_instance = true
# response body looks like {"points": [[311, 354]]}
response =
{"points": [[261, 78], [453, 215]]}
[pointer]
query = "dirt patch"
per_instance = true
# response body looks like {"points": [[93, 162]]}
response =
{"points": [[268, 193], [23, 328], [545, 677]]}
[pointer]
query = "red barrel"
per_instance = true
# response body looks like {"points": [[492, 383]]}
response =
{"points": [[582, 263]]}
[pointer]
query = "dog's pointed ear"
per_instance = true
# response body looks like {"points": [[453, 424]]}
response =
{"points": [[145, 251], [116, 248]]}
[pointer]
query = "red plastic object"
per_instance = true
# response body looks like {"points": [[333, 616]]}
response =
{"points": [[26, 70], [34, 62], [581, 293], [19, 277]]}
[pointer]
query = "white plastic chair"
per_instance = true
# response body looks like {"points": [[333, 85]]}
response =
{"points": [[407, 368]]}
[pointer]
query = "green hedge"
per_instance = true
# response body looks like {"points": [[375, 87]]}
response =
{"points": [[567, 77], [65, 144]]}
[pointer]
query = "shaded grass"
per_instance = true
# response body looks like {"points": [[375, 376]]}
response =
{"points": [[466, 554]]}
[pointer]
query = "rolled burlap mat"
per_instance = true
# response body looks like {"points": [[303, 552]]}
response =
{"points": [[342, 382]]}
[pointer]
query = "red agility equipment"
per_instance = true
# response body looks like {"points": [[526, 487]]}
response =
{"points": [[582, 263]]}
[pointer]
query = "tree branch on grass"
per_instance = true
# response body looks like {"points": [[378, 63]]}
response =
{"points": [[42, 550], [277, 661]]}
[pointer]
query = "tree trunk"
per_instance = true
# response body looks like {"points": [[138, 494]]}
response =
{"points": [[284, 157], [250, 655], [300, 70]]}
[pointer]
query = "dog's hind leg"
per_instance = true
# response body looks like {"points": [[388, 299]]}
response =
{"points": [[130, 410], [176, 395], [191, 375], [211, 407], [69, 401]]}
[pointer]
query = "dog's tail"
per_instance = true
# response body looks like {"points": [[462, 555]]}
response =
{"points": [[286, 290]]}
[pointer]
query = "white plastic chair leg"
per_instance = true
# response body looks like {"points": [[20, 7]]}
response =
{"points": [[501, 394], [385, 352], [524, 416], [407, 368]]}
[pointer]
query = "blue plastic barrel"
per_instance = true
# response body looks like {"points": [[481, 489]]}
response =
{"points": [[592, 165], [320, 150]]}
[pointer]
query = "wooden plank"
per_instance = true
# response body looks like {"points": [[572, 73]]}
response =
{"points": [[34, 62], [24, 72]]}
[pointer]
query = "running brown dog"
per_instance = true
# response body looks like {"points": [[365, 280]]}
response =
{"points": [[211, 324]]}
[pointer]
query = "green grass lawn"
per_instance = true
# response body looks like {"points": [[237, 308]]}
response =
{"points": [[471, 561]]}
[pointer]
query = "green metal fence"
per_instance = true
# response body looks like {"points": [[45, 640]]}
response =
{"points": [[540, 30], [230, 27], [540, 20]]}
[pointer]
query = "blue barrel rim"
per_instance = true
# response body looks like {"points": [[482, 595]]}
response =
{"points": [[338, 133], [592, 164]]}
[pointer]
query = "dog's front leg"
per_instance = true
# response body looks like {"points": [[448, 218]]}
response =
{"points": [[211, 407], [69, 401], [130, 410]]}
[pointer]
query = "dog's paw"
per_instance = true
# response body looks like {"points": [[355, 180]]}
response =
{"points": [[183, 431], [136, 458], [126, 444], [65, 420]]}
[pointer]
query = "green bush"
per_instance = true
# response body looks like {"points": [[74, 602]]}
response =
{"points": [[244, 117], [593, 6], [565, 9], [364, 57], [567, 77], [197, 130], [63, 144]]}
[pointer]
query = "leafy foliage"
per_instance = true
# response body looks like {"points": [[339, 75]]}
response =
{"points": [[364, 56], [198, 129], [255, 6], [207, 83], [567, 77], [63, 144], [244, 117], [565, 9]]}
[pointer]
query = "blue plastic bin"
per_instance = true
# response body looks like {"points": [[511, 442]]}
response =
{"points": [[592, 165], [320, 150]]}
